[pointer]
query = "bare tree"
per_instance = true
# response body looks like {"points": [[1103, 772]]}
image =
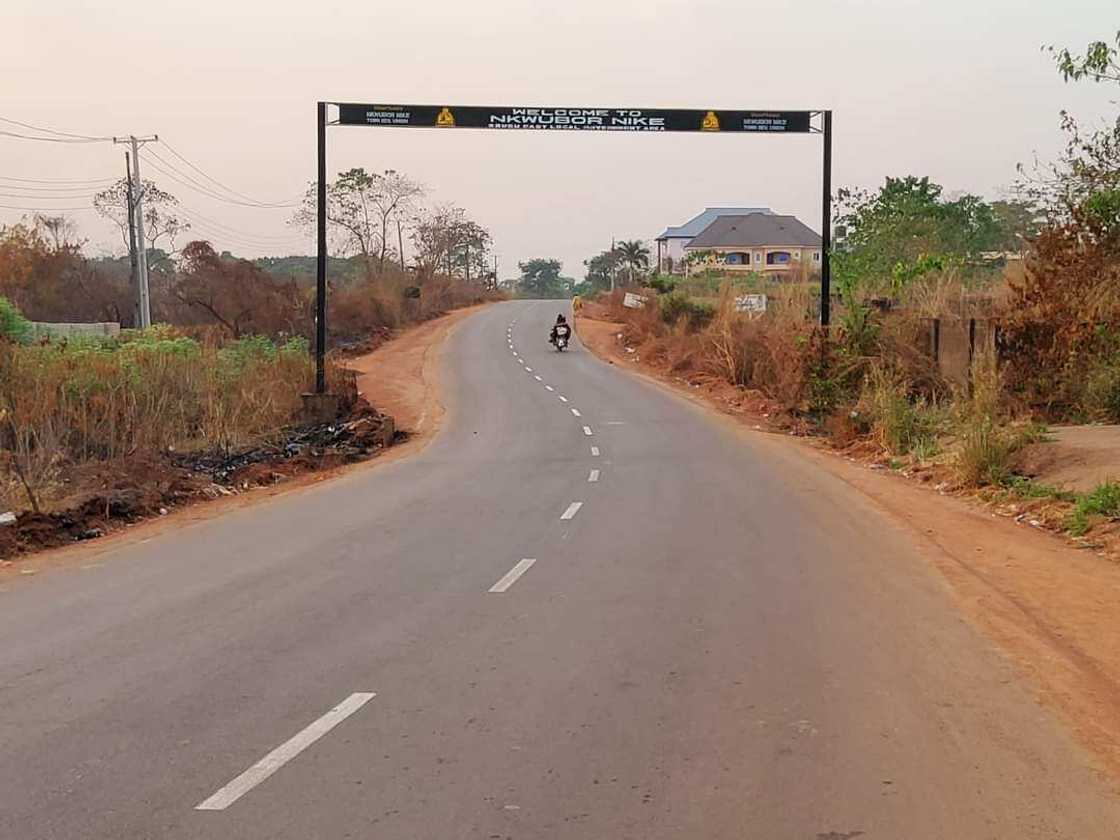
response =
{"points": [[61, 230], [395, 196], [446, 238], [161, 222]]}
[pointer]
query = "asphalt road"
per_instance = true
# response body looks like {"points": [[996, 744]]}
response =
{"points": [[717, 642]]}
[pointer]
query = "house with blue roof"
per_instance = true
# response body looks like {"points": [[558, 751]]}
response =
{"points": [[670, 244]]}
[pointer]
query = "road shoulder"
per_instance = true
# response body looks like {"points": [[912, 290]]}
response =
{"points": [[1049, 607], [401, 378]]}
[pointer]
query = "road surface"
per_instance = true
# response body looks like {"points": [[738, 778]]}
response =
{"points": [[586, 610]]}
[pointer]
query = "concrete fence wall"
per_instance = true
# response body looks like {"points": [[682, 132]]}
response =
{"points": [[45, 329], [955, 342]]}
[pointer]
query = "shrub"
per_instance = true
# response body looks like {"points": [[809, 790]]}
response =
{"points": [[902, 426], [677, 305], [988, 438], [1100, 394], [1104, 500], [13, 326]]}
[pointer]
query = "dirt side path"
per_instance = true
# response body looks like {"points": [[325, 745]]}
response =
{"points": [[1051, 608], [400, 378]]}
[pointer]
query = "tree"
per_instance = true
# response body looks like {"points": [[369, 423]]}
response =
{"points": [[161, 220], [445, 237], [1084, 183], [362, 209], [906, 228], [600, 269], [1018, 223], [540, 278], [235, 294], [394, 197], [634, 255]]}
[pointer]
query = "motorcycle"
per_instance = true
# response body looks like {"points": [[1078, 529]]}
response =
{"points": [[562, 335]]}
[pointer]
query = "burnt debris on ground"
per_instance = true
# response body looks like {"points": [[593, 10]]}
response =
{"points": [[108, 495]]}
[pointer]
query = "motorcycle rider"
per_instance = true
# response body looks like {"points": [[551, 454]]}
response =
{"points": [[561, 325]]}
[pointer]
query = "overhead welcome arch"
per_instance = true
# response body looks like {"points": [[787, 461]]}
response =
{"points": [[506, 118]]}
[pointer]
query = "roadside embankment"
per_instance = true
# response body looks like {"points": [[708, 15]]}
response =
{"points": [[134, 492]]}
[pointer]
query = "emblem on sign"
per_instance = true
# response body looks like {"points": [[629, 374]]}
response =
{"points": [[710, 123], [445, 119]]}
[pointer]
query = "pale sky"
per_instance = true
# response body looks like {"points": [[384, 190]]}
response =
{"points": [[955, 89]]}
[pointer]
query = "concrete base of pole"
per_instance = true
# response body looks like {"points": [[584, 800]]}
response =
{"points": [[320, 408]]}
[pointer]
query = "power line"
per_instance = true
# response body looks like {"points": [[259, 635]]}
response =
{"points": [[246, 238], [84, 137], [45, 139], [75, 190], [45, 209], [215, 181], [186, 180], [58, 180], [46, 197]]}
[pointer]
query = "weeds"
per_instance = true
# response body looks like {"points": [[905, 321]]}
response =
{"points": [[70, 402], [903, 426], [1103, 500], [13, 326]]}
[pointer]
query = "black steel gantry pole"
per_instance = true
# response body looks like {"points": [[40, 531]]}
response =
{"points": [[321, 253], [826, 222]]}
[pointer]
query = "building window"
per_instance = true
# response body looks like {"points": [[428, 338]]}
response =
{"points": [[816, 256], [738, 258], [758, 256], [777, 258]]}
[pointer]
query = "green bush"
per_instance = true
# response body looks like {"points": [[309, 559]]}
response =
{"points": [[677, 304], [1104, 500], [13, 326]]}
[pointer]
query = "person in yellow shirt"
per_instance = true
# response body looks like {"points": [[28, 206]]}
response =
{"points": [[577, 304]]}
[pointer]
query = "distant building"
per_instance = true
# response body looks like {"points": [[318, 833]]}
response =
{"points": [[757, 242], [670, 244]]}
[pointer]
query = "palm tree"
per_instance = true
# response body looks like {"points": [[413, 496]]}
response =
{"points": [[634, 255]]}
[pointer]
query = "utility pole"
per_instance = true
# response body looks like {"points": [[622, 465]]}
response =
{"points": [[611, 265], [138, 209], [400, 242], [321, 249], [134, 277], [826, 222]]}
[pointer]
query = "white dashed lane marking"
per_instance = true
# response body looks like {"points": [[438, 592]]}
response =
{"points": [[284, 753], [572, 510], [549, 388], [575, 411], [587, 430], [595, 451], [510, 577], [563, 398], [593, 476], [538, 379]]}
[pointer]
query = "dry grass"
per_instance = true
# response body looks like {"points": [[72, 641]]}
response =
{"points": [[65, 404]]}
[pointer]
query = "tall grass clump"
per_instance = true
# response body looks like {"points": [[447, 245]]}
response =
{"points": [[903, 425], [69, 402], [988, 437]]}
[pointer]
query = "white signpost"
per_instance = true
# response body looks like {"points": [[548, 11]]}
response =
{"points": [[755, 304], [633, 301]]}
